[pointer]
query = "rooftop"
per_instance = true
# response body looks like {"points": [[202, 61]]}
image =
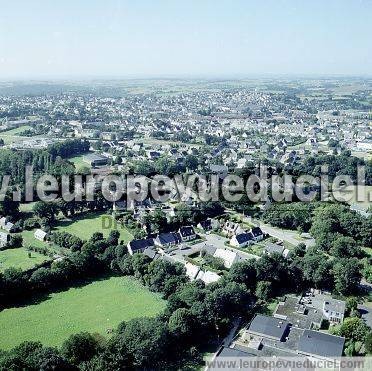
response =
{"points": [[321, 344], [268, 327]]}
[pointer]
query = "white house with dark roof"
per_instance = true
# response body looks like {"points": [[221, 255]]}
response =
{"points": [[140, 245], [257, 233], [167, 239], [187, 233], [242, 239]]}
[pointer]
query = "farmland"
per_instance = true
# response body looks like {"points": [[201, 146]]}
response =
{"points": [[19, 258], [12, 135], [84, 225], [96, 307]]}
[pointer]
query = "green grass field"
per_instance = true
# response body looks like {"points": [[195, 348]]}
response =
{"points": [[30, 240], [84, 225], [95, 307], [11, 136], [78, 162], [18, 258]]}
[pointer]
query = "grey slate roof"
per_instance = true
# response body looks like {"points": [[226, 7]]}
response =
{"points": [[141, 244], [244, 237], [187, 231], [268, 327], [256, 231], [320, 344]]}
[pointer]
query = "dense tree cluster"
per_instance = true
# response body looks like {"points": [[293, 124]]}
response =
{"points": [[294, 215], [67, 240]]}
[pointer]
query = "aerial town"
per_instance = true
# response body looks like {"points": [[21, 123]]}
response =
{"points": [[185, 185], [224, 279]]}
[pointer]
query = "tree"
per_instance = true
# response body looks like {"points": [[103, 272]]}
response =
{"points": [[8, 206], [191, 162], [96, 236], [354, 328], [80, 347], [345, 247], [16, 240], [351, 304], [181, 322], [368, 343], [263, 290], [244, 272], [50, 359], [146, 340], [113, 238], [46, 210], [347, 276]]}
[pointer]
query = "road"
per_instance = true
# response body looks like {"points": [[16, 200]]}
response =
{"points": [[285, 235]]}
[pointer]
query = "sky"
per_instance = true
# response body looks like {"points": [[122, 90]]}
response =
{"points": [[189, 38]]}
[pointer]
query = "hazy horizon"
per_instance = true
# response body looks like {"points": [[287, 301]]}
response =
{"points": [[42, 40]]}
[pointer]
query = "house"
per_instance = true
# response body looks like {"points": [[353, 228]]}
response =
{"points": [[40, 235], [242, 239], [229, 257], [168, 239], [3, 221], [139, 246], [257, 234], [334, 310], [208, 277], [226, 356], [153, 155], [4, 239], [231, 228], [191, 270], [268, 327], [187, 233], [320, 345], [9, 227], [205, 225], [272, 248], [94, 159], [151, 253]]}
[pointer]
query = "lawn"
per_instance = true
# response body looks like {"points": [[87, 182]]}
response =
{"points": [[84, 225], [78, 162], [18, 258], [27, 207], [30, 240], [96, 307], [11, 136]]}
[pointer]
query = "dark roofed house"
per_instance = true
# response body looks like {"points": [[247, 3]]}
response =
{"points": [[242, 239], [94, 159], [206, 225], [187, 233], [257, 233], [168, 239], [268, 327], [139, 246], [228, 354], [320, 345]]}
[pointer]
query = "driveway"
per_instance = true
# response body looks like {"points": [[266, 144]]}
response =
{"points": [[286, 235]]}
